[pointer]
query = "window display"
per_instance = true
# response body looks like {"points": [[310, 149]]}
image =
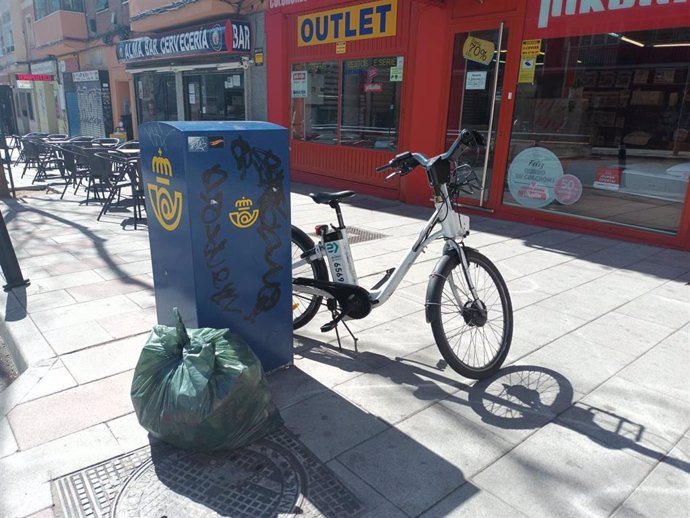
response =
{"points": [[350, 103], [156, 97], [314, 89], [214, 96], [615, 110]]}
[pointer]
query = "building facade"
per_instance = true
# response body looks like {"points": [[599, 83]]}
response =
{"points": [[54, 42], [196, 60], [16, 106], [585, 105]]}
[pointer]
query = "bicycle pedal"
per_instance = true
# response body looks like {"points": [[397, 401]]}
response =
{"points": [[330, 326]]}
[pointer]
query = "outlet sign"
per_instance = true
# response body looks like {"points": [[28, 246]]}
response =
{"points": [[357, 22]]}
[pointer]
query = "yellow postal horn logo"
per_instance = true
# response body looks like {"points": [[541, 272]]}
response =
{"points": [[166, 207], [244, 216]]}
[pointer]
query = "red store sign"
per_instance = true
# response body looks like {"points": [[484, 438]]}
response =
{"points": [[35, 77], [559, 18]]}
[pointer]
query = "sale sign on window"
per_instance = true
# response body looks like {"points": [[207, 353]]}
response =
{"points": [[608, 178]]}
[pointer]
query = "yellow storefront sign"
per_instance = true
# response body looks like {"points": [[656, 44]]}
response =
{"points": [[476, 49], [530, 48], [359, 22], [527, 69]]}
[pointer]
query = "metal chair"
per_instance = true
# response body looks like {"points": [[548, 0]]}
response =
{"points": [[107, 142], [76, 170], [127, 177]]}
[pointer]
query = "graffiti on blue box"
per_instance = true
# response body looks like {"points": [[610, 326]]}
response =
{"points": [[264, 215]]}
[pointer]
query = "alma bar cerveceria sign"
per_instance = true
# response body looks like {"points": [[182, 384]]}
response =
{"points": [[358, 22], [230, 36]]}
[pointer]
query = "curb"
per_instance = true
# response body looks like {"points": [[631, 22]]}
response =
{"points": [[17, 328]]}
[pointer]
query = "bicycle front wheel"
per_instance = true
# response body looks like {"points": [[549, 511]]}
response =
{"points": [[473, 335], [305, 306]]}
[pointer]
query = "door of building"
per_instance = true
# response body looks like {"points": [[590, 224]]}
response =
{"points": [[481, 93], [8, 119]]}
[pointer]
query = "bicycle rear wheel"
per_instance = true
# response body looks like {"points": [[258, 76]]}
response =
{"points": [[304, 305], [473, 336]]}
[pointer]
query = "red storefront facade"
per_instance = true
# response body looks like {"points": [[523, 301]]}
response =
{"points": [[585, 103]]}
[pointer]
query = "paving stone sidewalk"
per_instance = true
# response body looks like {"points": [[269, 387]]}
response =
{"points": [[590, 416]]}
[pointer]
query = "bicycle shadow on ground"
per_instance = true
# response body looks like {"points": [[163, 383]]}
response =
{"points": [[389, 472], [518, 397]]}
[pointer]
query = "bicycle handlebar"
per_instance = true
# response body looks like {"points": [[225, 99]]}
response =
{"points": [[407, 161]]}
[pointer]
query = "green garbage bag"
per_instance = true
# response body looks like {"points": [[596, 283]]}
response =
{"points": [[202, 390]]}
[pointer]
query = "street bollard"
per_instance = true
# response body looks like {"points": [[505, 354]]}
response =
{"points": [[6, 165], [8, 260]]}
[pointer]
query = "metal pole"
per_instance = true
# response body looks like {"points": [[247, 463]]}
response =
{"points": [[8, 162], [8, 260], [491, 115]]}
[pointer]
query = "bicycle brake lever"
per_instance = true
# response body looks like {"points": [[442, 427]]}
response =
{"points": [[390, 176]]}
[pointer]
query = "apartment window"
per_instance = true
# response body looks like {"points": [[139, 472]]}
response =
{"points": [[29, 30], [101, 5], [350, 103], [45, 7], [7, 36]]}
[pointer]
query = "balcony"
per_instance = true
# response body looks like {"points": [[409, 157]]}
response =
{"points": [[61, 32], [151, 16]]}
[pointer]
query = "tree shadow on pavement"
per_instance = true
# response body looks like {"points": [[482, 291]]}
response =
{"points": [[98, 242]]}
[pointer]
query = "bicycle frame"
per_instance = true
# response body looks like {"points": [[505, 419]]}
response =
{"points": [[453, 226]]}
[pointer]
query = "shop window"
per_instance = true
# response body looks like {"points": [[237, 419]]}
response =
{"points": [[602, 129], [314, 89], [350, 103], [156, 97], [370, 103], [214, 96], [26, 105]]}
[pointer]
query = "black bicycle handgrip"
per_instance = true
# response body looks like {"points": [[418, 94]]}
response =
{"points": [[382, 168]]}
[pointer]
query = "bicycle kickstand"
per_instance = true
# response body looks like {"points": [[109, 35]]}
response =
{"points": [[354, 338], [333, 325]]}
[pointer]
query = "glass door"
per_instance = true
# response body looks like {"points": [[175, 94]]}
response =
{"points": [[478, 68]]}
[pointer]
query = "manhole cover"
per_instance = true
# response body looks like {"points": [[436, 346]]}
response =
{"points": [[259, 480], [360, 235], [276, 476]]}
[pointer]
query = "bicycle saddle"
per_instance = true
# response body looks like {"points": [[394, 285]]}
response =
{"points": [[330, 197]]}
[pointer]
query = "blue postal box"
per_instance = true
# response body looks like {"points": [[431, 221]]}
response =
{"points": [[218, 210]]}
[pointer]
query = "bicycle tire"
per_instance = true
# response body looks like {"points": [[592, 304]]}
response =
{"points": [[307, 304], [442, 305]]}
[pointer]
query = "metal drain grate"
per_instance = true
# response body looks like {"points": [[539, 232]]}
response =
{"points": [[274, 476], [360, 235]]}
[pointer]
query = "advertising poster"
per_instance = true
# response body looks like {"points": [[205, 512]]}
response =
{"points": [[299, 84], [608, 178], [532, 177], [528, 67], [478, 50], [476, 80]]}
